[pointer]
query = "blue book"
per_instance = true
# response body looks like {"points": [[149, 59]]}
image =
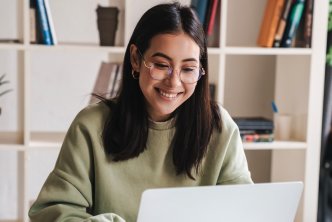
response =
{"points": [[293, 21], [201, 7], [43, 23]]}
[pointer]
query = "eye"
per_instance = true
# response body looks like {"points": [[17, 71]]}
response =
{"points": [[189, 69], [161, 66]]}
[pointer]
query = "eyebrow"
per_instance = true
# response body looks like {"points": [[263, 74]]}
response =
{"points": [[159, 54]]}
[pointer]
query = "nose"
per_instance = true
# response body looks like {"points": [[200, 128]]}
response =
{"points": [[174, 78]]}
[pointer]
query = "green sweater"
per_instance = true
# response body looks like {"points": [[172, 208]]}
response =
{"points": [[87, 185]]}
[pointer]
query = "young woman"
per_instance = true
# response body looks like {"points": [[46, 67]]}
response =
{"points": [[162, 130]]}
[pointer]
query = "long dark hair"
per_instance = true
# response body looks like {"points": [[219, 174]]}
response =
{"points": [[126, 131]]}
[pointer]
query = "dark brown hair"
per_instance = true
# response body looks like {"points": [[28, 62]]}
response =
{"points": [[126, 131]]}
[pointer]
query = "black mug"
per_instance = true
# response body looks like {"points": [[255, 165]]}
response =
{"points": [[107, 21]]}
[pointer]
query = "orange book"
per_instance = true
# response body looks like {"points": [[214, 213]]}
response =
{"points": [[272, 15]]}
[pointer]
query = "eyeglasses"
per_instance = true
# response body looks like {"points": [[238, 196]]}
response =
{"points": [[161, 71]]}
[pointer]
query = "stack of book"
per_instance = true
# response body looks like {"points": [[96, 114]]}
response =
{"points": [[286, 23], [41, 23], [255, 129]]}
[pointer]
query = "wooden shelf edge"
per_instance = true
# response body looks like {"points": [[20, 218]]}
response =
{"points": [[276, 145], [267, 51]]}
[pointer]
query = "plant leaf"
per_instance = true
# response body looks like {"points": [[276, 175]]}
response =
{"points": [[5, 92]]}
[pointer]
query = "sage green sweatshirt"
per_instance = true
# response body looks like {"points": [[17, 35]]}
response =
{"points": [[86, 185]]}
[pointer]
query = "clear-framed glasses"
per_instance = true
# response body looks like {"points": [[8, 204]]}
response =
{"points": [[161, 71]]}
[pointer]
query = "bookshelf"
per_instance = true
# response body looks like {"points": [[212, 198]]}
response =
{"points": [[52, 84]]}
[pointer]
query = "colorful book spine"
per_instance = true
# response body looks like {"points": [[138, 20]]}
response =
{"points": [[282, 24], [212, 18], [308, 23], [50, 22], [257, 138], [292, 23], [43, 21], [272, 14]]}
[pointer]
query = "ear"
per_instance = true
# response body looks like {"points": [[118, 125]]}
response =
{"points": [[134, 59]]}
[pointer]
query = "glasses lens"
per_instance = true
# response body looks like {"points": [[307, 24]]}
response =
{"points": [[187, 75], [159, 71], [190, 75]]}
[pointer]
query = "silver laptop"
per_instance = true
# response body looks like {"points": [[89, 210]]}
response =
{"points": [[273, 202]]}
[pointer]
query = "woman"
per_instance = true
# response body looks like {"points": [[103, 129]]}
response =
{"points": [[161, 131]]}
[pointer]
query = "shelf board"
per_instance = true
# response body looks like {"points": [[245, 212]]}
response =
{"points": [[46, 140], [4, 220], [213, 51], [276, 145], [72, 47], [266, 51], [11, 46], [12, 147]]}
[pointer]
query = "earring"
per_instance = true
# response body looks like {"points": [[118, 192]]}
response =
{"points": [[133, 74]]}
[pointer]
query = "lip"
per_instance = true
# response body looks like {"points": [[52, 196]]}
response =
{"points": [[169, 95]]}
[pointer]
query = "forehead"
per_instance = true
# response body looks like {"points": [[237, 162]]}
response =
{"points": [[176, 46]]}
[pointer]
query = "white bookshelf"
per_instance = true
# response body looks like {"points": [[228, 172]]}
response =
{"points": [[47, 94]]}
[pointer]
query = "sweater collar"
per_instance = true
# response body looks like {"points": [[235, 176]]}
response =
{"points": [[168, 124]]}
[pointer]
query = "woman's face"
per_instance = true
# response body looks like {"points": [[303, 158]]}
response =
{"points": [[162, 97]]}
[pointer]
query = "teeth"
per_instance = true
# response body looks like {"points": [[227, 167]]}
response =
{"points": [[168, 95]]}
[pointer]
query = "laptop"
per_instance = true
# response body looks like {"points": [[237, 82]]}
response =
{"points": [[273, 202]]}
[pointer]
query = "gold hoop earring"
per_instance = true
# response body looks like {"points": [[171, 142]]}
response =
{"points": [[133, 74]]}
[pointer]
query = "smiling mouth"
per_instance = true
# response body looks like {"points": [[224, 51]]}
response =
{"points": [[167, 94]]}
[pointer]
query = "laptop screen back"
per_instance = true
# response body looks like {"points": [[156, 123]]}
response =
{"points": [[273, 202]]}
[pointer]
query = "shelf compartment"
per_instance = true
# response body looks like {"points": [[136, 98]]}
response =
{"points": [[10, 184]]}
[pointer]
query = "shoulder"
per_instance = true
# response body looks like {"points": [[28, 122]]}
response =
{"points": [[93, 116], [228, 124]]}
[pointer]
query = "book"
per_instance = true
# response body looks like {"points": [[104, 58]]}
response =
{"points": [[43, 23], [114, 80], [282, 23], [292, 23], [254, 123], [35, 34], [200, 6], [212, 90], [211, 19], [308, 23], [50, 22], [269, 137], [117, 81], [268, 28], [101, 86]]}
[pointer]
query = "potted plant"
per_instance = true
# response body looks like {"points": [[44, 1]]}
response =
{"points": [[3, 91]]}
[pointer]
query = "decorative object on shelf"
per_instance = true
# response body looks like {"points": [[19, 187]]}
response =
{"points": [[3, 82], [107, 21]]}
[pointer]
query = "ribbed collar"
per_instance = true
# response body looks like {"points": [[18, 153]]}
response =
{"points": [[162, 125]]}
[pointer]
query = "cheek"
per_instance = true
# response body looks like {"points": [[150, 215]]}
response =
{"points": [[145, 83], [190, 89]]}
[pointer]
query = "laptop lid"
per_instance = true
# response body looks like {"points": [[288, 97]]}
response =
{"points": [[273, 202]]}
